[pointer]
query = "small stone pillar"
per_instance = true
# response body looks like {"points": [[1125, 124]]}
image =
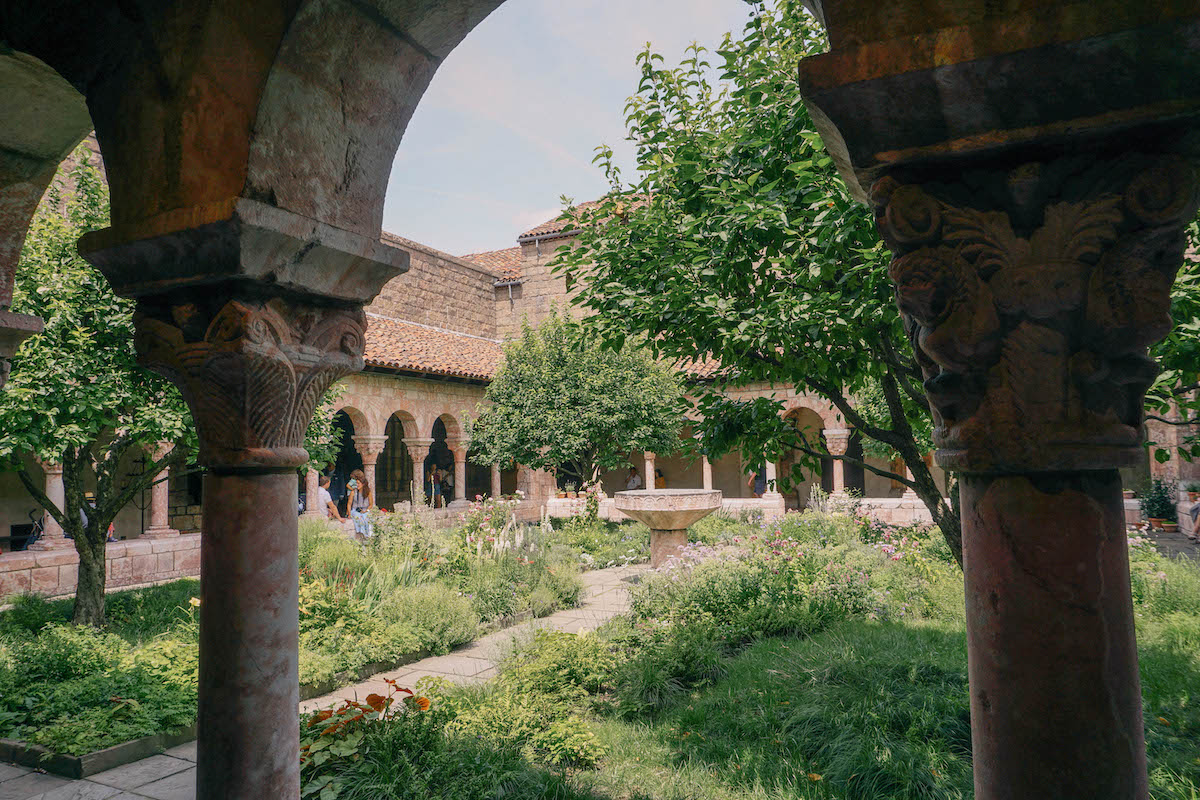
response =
{"points": [[369, 446], [418, 451], [458, 448], [52, 537], [160, 498], [497, 484], [312, 486], [648, 475], [706, 472], [837, 441], [909, 493], [772, 491]]}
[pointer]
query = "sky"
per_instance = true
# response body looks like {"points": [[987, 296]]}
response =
{"points": [[511, 119]]}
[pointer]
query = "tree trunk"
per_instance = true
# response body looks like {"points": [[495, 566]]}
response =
{"points": [[91, 544], [945, 515]]}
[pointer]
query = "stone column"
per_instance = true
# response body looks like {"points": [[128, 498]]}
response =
{"points": [[458, 448], [772, 490], [160, 498], [369, 446], [497, 484], [648, 475], [706, 472], [52, 537], [1031, 295], [418, 451], [253, 315], [312, 485], [837, 441], [909, 492]]}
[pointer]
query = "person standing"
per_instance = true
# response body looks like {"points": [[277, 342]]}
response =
{"points": [[660, 480], [758, 482], [360, 503], [435, 486]]}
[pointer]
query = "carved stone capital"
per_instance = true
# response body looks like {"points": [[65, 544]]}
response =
{"points": [[251, 369], [418, 449], [1030, 296], [837, 440], [369, 446], [458, 448]]}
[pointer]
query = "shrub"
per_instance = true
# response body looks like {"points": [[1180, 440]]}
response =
{"points": [[672, 660], [556, 663], [438, 617], [1159, 501]]}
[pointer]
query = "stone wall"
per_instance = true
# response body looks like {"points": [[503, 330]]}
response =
{"points": [[538, 292], [129, 563], [440, 290]]}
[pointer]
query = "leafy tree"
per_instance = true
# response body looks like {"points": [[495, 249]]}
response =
{"points": [[1175, 396], [740, 242], [76, 395], [562, 401]]}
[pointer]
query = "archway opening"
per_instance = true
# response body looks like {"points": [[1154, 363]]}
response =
{"points": [[394, 470], [347, 460], [795, 471]]}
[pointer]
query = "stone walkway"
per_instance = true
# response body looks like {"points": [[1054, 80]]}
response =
{"points": [[1175, 544], [172, 775]]}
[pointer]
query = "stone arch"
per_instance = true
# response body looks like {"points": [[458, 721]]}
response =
{"points": [[454, 430], [359, 418], [810, 424], [394, 472]]}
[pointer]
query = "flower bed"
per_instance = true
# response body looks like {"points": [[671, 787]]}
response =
{"points": [[412, 590]]}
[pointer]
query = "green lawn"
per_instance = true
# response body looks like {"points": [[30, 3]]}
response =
{"points": [[820, 658]]}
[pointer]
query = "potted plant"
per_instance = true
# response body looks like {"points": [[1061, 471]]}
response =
{"points": [[1128, 494], [570, 486], [1193, 491], [560, 494], [1158, 504]]}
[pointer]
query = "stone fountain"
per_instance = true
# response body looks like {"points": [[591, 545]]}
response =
{"points": [[667, 513]]}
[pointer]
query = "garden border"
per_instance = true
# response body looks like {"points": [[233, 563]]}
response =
{"points": [[76, 767]]}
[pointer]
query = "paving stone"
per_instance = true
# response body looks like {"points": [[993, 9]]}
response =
{"points": [[79, 790], [185, 751], [140, 773], [10, 771], [454, 664], [180, 786], [30, 785]]}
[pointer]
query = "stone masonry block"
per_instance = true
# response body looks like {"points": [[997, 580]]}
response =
{"points": [[166, 562], [43, 580], [68, 577], [138, 547], [14, 582], [11, 562], [187, 562], [56, 558], [120, 569]]}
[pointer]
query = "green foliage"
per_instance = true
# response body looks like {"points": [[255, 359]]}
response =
{"points": [[600, 544], [1178, 356], [561, 401], [738, 241], [404, 753], [1159, 501]]}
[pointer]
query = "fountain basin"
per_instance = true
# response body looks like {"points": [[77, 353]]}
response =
{"points": [[667, 513]]}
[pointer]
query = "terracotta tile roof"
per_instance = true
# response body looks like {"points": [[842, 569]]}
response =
{"points": [[701, 370], [505, 262], [396, 344], [556, 225]]}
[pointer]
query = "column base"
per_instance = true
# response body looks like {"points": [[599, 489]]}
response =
{"points": [[58, 542], [159, 533], [457, 505]]}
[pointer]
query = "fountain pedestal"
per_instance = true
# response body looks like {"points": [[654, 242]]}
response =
{"points": [[667, 513]]}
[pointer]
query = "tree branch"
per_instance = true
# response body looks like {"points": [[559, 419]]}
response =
{"points": [[883, 473]]}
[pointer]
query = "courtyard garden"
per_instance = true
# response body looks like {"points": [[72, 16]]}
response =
{"points": [[821, 656], [413, 590]]}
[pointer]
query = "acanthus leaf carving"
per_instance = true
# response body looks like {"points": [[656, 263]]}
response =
{"points": [[1031, 322], [252, 371]]}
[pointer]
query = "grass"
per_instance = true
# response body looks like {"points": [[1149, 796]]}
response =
{"points": [[136, 615]]}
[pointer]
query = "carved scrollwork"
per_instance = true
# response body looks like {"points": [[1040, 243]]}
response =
{"points": [[252, 371], [1030, 297]]}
